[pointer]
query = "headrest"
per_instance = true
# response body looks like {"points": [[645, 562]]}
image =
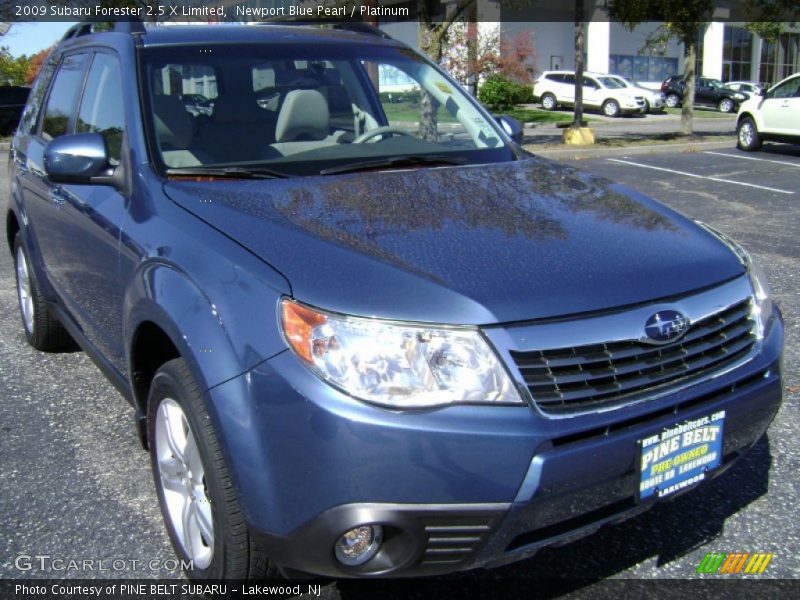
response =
{"points": [[173, 123], [304, 116]]}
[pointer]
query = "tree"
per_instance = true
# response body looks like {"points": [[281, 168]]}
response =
{"points": [[683, 20], [434, 27], [35, 63], [470, 57], [13, 71], [577, 120]]}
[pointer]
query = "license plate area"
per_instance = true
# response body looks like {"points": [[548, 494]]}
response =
{"points": [[680, 456]]}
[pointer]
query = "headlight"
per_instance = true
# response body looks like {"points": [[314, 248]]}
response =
{"points": [[397, 365], [762, 302], [762, 297]]}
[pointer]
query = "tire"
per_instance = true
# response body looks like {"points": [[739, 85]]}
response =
{"points": [[549, 102], [191, 477], [646, 109], [611, 108], [673, 100], [747, 137], [42, 330], [726, 105]]}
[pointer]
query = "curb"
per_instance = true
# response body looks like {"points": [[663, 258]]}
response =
{"points": [[5, 146], [587, 153]]}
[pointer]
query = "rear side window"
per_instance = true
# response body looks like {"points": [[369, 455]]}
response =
{"points": [[569, 79], [556, 78], [61, 101], [36, 97], [101, 107]]}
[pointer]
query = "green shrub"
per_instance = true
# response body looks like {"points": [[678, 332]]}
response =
{"points": [[498, 92]]}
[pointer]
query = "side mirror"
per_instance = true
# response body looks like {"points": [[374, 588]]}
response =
{"points": [[78, 158], [512, 127], [762, 92]]}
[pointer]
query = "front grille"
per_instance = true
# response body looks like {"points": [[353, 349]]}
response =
{"points": [[598, 375]]}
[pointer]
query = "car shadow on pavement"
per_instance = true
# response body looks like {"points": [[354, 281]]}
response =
{"points": [[668, 532], [781, 150]]}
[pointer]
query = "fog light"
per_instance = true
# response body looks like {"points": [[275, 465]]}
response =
{"points": [[358, 545]]}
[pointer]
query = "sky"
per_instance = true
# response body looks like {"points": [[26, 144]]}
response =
{"points": [[29, 38]]}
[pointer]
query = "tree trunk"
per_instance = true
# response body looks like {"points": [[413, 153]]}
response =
{"points": [[578, 115], [687, 110], [430, 42]]}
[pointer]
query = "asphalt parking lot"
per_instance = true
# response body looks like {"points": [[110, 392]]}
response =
{"points": [[77, 485]]}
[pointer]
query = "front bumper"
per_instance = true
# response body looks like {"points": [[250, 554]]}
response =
{"points": [[454, 488]]}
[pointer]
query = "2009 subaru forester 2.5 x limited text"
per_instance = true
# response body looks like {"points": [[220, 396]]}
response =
{"points": [[357, 346]]}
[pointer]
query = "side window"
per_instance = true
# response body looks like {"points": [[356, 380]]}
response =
{"points": [[61, 101], [569, 79], [101, 106], [788, 89], [36, 97], [590, 83]]}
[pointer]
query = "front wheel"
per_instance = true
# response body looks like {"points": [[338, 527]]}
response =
{"points": [[747, 137], [673, 101], [198, 503], [611, 108], [726, 105]]}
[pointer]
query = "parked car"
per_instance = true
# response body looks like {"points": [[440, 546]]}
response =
{"points": [[653, 101], [355, 349], [772, 116], [745, 87], [600, 92], [197, 104], [12, 102], [708, 93]]}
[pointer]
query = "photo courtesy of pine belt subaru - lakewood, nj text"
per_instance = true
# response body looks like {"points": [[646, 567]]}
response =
{"points": [[357, 345]]}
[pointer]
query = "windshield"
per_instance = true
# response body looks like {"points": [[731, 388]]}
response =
{"points": [[611, 83], [304, 109]]}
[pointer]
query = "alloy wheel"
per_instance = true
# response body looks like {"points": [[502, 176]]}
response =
{"points": [[24, 291], [183, 483]]}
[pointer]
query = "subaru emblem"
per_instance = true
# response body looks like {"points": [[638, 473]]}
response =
{"points": [[666, 325]]}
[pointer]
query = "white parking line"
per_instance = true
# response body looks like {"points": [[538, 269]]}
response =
{"points": [[775, 162], [685, 174]]}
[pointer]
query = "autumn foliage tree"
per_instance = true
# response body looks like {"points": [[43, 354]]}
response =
{"points": [[513, 57], [35, 63]]}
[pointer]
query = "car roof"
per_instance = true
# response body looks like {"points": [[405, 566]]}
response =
{"points": [[262, 33]]}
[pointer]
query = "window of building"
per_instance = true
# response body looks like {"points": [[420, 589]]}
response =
{"points": [[642, 68], [736, 54], [780, 59]]}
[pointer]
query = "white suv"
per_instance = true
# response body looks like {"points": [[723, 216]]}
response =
{"points": [[554, 88], [772, 116]]}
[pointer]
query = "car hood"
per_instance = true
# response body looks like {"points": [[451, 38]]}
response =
{"points": [[474, 245]]}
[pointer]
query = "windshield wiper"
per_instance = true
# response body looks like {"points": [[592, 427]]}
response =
{"points": [[398, 161], [231, 172]]}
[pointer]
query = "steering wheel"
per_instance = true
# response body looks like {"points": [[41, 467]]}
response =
{"points": [[386, 129]]}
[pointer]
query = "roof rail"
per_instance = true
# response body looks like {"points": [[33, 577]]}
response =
{"points": [[87, 28], [354, 26]]}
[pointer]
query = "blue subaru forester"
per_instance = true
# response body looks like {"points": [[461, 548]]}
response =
{"points": [[363, 332]]}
